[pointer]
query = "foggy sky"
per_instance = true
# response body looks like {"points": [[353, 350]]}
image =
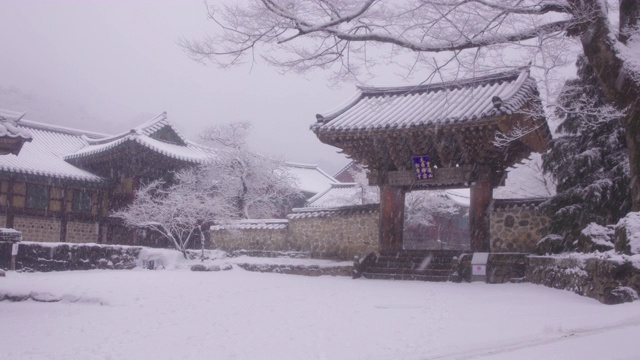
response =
{"points": [[108, 66]]}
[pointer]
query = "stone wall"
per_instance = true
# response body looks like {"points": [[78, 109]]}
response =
{"points": [[82, 232], [265, 235], [610, 281], [517, 225], [62, 256], [337, 233], [37, 229], [3, 221]]}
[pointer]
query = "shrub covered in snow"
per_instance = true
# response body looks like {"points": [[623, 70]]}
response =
{"points": [[550, 244], [595, 238], [627, 234]]}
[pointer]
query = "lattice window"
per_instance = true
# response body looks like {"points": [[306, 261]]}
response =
{"points": [[81, 201], [37, 196]]}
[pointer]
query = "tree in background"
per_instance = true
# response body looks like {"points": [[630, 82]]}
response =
{"points": [[179, 210], [348, 37], [259, 187], [588, 159]]}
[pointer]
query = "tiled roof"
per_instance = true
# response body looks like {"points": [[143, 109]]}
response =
{"points": [[342, 194], [310, 178], [445, 103], [257, 224], [304, 213], [43, 156], [189, 152]]}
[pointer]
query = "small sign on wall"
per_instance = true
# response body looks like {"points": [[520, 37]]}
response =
{"points": [[14, 249], [479, 270], [422, 167]]}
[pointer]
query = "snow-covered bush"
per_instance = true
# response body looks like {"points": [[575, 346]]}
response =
{"points": [[627, 234]]}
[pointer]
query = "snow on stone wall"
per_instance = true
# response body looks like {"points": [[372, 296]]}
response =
{"points": [[339, 233]]}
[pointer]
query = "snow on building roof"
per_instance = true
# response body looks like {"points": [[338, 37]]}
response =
{"points": [[304, 213], [143, 135], [310, 178], [374, 108], [340, 194], [44, 155], [9, 125], [252, 224]]}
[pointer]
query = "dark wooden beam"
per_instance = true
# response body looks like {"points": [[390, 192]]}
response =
{"points": [[479, 214], [441, 176], [391, 217]]}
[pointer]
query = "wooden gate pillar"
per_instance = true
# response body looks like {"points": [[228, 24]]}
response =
{"points": [[391, 217], [479, 215]]}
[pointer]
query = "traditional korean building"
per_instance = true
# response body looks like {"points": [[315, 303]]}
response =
{"points": [[65, 182]]}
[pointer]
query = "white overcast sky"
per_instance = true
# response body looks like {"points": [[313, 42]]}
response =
{"points": [[108, 66]]}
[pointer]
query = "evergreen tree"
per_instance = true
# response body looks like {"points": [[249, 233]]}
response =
{"points": [[588, 160]]}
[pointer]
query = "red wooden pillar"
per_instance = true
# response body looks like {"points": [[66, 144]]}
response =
{"points": [[391, 217], [479, 216]]}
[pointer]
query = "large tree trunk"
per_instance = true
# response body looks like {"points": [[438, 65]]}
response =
{"points": [[620, 83]]}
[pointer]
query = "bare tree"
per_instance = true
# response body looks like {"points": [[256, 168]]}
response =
{"points": [[178, 211], [259, 186], [347, 36]]}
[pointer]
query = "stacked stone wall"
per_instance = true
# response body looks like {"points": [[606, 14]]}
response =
{"points": [[3, 221], [62, 257], [336, 236], [251, 239], [82, 232], [610, 281], [517, 228], [38, 229], [339, 233]]}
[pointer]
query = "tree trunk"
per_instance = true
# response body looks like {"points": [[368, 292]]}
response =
{"points": [[620, 83]]}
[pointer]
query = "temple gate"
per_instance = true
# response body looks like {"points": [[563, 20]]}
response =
{"points": [[439, 136]]}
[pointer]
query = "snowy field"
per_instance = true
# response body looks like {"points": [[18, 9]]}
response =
{"points": [[236, 314]]}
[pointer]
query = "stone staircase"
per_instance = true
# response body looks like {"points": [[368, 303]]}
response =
{"points": [[424, 265]]}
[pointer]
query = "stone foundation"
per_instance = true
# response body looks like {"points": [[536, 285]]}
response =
{"points": [[37, 229], [610, 281], [62, 256], [517, 226]]}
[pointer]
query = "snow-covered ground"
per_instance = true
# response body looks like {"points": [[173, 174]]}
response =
{"points": [[236, 314]]}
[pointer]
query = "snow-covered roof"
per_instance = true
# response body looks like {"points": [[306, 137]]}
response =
{"points": [[341, 194], [9, 125], [144, 135], [310, 178], [44, 155], [304, 213], [461, 101], [253, 224]]}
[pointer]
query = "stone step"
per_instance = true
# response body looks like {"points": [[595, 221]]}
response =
{"points": [[410, 264], [430, 272], [405, 277]]}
